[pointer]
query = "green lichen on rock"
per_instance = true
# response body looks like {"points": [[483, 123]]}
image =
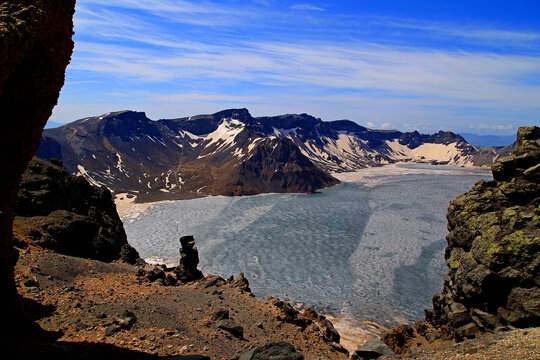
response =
{"points": [[454, 260], [493, 251]]}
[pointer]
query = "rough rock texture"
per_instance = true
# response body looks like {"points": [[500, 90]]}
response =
{"points": [[278, 166], [494, 248], [399, 338], [372, 349], [273, 351], [189, 259], [35, 38], [68, 215]]}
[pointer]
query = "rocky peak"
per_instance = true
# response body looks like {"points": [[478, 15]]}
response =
{"points": [[121, 124], [278, 165], [523, 164], [415, 139], [242, 115]]}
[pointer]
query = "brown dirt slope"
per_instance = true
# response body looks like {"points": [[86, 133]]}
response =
{"points": [[84, 299]]}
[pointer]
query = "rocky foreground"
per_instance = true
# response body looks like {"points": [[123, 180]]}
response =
{"points": [[91, 308]]}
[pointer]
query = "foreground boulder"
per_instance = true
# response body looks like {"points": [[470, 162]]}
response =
{"points": [[493, 251], [372, 349], [68, 215], [273, 351]]}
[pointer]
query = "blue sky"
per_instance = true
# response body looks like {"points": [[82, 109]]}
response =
{"points": [[465, 66]]}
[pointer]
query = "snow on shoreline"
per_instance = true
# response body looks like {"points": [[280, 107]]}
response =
{"points": [[368, 175], [127, 208]]}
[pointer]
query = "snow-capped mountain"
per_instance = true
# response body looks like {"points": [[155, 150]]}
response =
{"points": [[233, 153]]}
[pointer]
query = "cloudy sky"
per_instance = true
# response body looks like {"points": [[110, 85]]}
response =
{"points": [[465, 66]]}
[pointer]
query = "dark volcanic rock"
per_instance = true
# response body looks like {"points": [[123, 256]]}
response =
{"points": [[189, 259], [241, 282], [289, 314], [231, 327], [494, 248], [278, 165], [184, 272], [273, 351], [398, 339], [35, 38], [372, 349], [220, 314], [70, 216]]}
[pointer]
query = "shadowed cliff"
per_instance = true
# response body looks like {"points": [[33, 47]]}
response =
{"points": [[35, 38]]}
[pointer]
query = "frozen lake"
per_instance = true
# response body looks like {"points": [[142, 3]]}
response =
{"points": [[370, 249]]}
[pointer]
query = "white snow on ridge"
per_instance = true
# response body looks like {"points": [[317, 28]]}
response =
{"points": [[284, 132], [346, 153], [429, 152], [225, 133], [254, 143], [82, 172], [119, 163], [349, 153]]}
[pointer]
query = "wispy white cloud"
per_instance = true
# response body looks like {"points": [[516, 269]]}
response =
{"points": [[396, 84], [203, 13], [468, 78], [470, 32], [499, 127], [308, 7]]}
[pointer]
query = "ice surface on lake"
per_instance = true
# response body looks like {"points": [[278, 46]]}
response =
{"points": [[368, 251]]}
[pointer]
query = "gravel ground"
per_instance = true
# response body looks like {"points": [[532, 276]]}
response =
{"points": [[77, 301], [81, 300], [510, 345]]}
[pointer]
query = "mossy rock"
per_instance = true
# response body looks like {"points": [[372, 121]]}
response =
{"points": [[522, 247], [503, 169], [528, 141], [533, 173], [489, 252], [454, 260]]}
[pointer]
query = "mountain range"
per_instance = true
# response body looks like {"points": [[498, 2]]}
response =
{"points": [[233, 153]]}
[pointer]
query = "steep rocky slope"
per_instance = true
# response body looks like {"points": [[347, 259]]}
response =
{"points": [[233, 153], [35, 38], [493, 255], [68, 215], [494, 247]]}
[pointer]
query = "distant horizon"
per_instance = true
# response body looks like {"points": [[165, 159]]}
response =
{"points": [[418, 65]]}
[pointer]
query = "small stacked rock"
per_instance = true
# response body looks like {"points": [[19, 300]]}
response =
{"points": [[186, 270], [189, 259]]}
